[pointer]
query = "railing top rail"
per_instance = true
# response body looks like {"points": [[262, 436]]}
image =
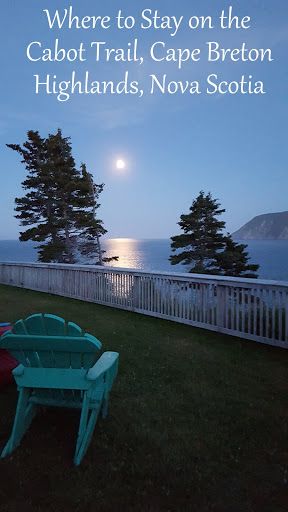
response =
{"points": [[204, 278]]}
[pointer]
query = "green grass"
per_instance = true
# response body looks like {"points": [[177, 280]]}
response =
{"points": [[198, 421]]}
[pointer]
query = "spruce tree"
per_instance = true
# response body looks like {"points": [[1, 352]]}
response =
{"points": [[207, 249], [65, 185], [202, 238], [60, 203], [49, 205], [234, 260]]}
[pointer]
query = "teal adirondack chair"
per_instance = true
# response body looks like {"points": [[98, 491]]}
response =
{"points": [[59, 366]]}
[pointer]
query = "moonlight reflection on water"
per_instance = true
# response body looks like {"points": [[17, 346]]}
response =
{"points": [[153, 255]]}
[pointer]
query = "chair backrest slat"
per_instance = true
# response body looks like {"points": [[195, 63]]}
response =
{"points": [[35, 325], [74, 329], [47, 358], [33, 358], [62, 359], [54, 325], [19, 327], [75, 360]]}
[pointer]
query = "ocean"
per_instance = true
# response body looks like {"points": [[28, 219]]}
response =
{"points": [[152, 255]]}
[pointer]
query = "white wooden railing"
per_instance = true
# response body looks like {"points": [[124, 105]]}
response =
{"points": [[248, 308]]}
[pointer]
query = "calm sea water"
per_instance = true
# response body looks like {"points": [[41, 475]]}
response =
{"points": [[152, 255]]}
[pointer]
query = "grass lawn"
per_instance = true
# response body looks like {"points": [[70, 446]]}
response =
{"points": [[198, 422]]}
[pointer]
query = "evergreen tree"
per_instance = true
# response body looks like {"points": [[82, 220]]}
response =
{"points": [[49, 204], [202, 238], [207, 249], [234, 260], [60, 203], [65, 187]]}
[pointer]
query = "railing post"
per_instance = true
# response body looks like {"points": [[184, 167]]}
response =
{"points": [[136, 293], [221, 306]]}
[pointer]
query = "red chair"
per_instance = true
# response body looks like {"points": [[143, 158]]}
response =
{"points": [[7, 362]]}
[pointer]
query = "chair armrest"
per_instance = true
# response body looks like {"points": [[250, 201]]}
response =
{"points": [[2, 336], [19, 370], [108, 361]]}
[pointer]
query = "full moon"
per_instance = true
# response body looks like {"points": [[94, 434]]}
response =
{"points": [[120, 164]]}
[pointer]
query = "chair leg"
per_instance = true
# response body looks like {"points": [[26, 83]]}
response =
{"points": [[87, 437], [83, 422], [25, 412], [86, 428]]}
